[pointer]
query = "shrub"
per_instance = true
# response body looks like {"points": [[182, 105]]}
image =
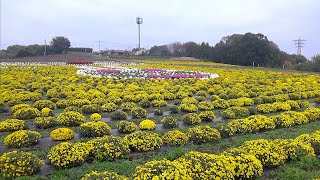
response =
{"points": [[304, 104], [46, 112], [18, 163], [126, 126], [95, 117], [91, 108], [169, 122], [220, 104], [118, 115], [40, 104], [205, 106], [67, 155], [128, 106], [94, 129], [61, 134], [54, 100], [159, 103], [235, 112], [147, 124], [138, 113], [103, 175], [189, 100], [317, 100], [251, 124], [109, 107], [158, 112], [63, 104], [203, 134], [312, 113], [207, 166], [45, 122], [73, 108], [109, 148], [11, 125], [19, 106], [22, 138], [71, 118], [207, 116], [289, 118], [143, 141], [188, 108], [175, 138], [174, 109], [162, 169], [26, 113], [191, 119], [201, 98], [145, 104]]}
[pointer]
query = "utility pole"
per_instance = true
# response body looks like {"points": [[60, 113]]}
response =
{"points": [[99, 45], [45, 47], [139, 21], [299, 44]]}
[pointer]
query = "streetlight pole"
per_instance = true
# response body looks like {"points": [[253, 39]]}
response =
{"points": [[139, 21]]}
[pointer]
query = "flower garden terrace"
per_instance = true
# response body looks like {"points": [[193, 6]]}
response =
{"points": [[73, 120]]}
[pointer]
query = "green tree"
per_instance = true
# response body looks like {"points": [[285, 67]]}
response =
{"points": [[60, 44], [248, 49]]}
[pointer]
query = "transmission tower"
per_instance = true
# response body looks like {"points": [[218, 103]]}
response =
{"points": [[299, 44]]}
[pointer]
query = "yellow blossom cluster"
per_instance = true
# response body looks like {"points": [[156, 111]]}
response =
{"points": [[103, 175], [22, 138], [61, 134], [10, 125], [94, 129], [147, 124]]}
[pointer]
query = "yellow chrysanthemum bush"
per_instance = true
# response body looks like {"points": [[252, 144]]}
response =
{"points": [[11, 125], [95, 117], [247, 166], [40, 104], [205, 106], [162, 169], [270, 154], [138, 113], [159, 103], [118, 115], [317, 100], [207, 116], [235, 112], [289, 118], [175, 138], [62, 134], [94, 129], [169, 122], [128, 106], [126, 126], [189, 100], [71, 118], [188, 108], [18, 163], [295, 149], [109, 107], [147, 124], [203, 134], [191, 119], [109, 148], [251, 124], [67, 155], [19, 106], [220, 104], [46, 112], [22, 138], [208, 166], [45, 122], [26, 113], [313, 139], [103, 175], [143, 141], [312, 113]]}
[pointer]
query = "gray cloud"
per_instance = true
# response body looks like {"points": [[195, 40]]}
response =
{"points": [[85, 22]]}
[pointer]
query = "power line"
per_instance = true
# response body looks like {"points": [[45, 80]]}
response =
{"points": [[299, 44]]}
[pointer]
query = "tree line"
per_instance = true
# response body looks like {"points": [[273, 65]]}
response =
{"points": [[239, 49]]}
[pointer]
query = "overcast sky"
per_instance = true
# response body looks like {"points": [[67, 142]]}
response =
{"points": [[85, 22]]}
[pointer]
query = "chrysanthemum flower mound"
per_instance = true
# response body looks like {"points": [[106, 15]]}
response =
{"points": [[94, 129], [61, 134], [11, 125], [109, 147], [207, 166], [45, 122], [143, 141], [71, 118], [147, 124], [175, 138], [18, 163], [22, 138], [163, 169], [126, 126], [103, 175], [67, 155], [203, 134]]}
